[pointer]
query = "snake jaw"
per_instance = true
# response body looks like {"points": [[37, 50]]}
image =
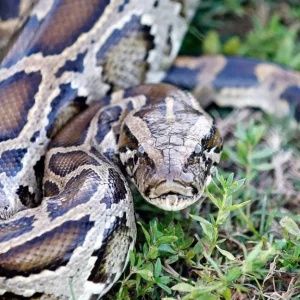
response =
{"points": [[173, 202]]}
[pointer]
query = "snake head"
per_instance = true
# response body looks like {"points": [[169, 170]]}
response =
{"points": [[170, 149]]}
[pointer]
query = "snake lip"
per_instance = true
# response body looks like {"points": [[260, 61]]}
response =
{"points": [[173, 202], [164, 190]]}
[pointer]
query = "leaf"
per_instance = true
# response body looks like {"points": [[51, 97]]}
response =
{"points": [[230, 179], [212, 198], [226, 253], [157, 268], [166, 240], [242, 151], [264, 153], [207, 227], [154, 230], [211, 43], [186, 243], [183, 287], [236, 186], [256, 134], [153, 252], [198, 248], [171, 259], [164, 279], [166, 248], [290, 226], [233, 274], [132, 258], [200, 219], [147, 235], [164, 287], [236, 206], [227, 294], [254, 253], [264, 167], [232, 46], [145, 274], [232, 155]]}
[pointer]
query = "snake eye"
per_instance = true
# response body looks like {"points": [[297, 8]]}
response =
{"points": [[141, 151], [198, 149]]}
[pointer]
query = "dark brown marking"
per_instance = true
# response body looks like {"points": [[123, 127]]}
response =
{"points": [[16, 99], [78, 190], [50, 189], [75, 132], [11, 230], [63, 164], [62, 26], [46, 252]]}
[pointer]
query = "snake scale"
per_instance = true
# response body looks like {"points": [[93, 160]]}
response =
{"points": [[66, 211]]}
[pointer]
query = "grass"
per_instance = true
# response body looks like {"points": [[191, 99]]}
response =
{"points": [[243, 240]]}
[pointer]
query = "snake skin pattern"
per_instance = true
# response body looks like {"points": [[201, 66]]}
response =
{"points": [[66, 212]]}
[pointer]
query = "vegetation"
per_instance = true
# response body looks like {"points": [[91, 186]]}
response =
{"points": [[243, 240]]}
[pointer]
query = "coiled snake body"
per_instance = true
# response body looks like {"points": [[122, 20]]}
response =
{"points": [[78, 228]]}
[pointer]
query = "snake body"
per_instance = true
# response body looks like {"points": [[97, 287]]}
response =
{"points": [[71, 234]]}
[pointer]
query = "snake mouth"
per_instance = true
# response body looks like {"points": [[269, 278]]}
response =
{"points": [[173, 197], [173, 202]]}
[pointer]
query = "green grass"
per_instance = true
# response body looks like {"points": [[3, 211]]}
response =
{"points": [[243, 240]]}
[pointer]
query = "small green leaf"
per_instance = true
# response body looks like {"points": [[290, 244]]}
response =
{"points": [[227, 294], [166, 248], [171, 259], [263, 167], [147, 235], [186, 244], [166, 240], [254, 253], [207, 227], [264, 153], [164, 287], [232, 46], [198, 248], [145, 274], [212, 198], [211, 43], [157, 268], [233, 274], [290, 226], [236, 186], [164, 279], [183, 287], [236, 206], [132, 258], [153, 252], [226, 253]]}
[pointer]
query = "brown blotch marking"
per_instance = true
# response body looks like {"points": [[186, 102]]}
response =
{"points": [[78, 190], [46, 252], [75, 132], [61, 27], [63, 164], [16, 99], [66, 22], [50, 189]]}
